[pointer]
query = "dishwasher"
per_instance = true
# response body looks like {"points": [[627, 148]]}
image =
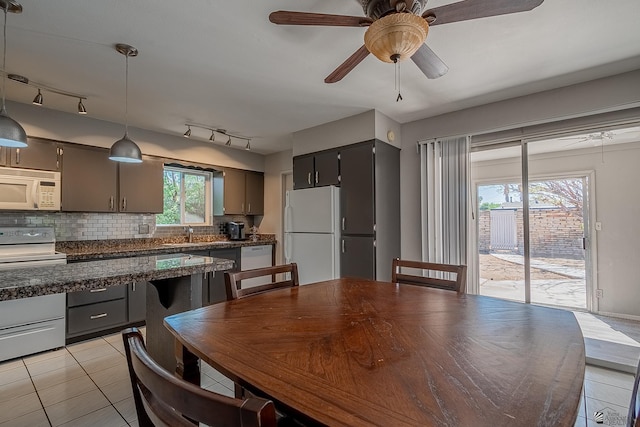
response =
{"points": [[35, 324], [255, 257]]}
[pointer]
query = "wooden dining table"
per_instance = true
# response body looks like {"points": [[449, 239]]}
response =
{"points": [[353, 352]]}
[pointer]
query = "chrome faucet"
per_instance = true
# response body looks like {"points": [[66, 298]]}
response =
{"points": [[189, 231]]}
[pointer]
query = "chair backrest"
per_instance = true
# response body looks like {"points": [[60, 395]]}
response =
{"points": [[161, 399], [232, 280], [443, 271], [633, 419]]}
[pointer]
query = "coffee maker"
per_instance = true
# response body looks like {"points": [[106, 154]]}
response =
{"points": [[235, 230]]}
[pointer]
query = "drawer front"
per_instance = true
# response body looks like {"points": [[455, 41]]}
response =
{"points": [[91, 296], [32, 338], [94, 317], [30, 310]]}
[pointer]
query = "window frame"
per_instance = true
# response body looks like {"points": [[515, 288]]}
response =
{"points": [[208, 190]]}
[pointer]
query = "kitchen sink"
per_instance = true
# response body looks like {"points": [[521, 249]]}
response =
{"points": [[183, 245]]}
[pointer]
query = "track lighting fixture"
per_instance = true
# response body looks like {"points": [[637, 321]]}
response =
{"points": [[11, 133], [38, 99], [81, 109], [214, 131]]}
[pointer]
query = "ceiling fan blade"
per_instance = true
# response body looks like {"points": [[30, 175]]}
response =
{"points": [[348, 65], [474, 9], [429, 63], [285, 17]]}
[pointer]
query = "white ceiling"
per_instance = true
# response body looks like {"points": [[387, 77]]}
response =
{"points": [[223, 64]]}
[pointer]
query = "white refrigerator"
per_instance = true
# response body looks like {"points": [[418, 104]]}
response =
{"points": [[312, 233]]}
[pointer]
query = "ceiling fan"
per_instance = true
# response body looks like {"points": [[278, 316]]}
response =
{"points": [[397, 29]]}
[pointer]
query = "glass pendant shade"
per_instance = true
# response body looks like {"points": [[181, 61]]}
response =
{"points": [[11, 133], [126, 151]]}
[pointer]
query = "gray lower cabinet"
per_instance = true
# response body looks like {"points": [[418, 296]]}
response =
{"points": [[214, 288], [95, 310], [137, 301], [357, 257]]}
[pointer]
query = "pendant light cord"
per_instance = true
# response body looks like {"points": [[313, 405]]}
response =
{"points": [[126, 95], [4, 56]]}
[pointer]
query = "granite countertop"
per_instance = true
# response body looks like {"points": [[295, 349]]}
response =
{"points": [[30, 282], [102, 249]]}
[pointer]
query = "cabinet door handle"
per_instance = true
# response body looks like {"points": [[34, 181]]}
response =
{"points": [[242, 208], [133, 287], [17, 156], [124, 203], [309, 178], [98, 316], [97, 290], [111, 203], [317, 177], [343, 248], [343, 218]]}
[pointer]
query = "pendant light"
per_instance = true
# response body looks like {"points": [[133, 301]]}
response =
{"points": [[125, 150], [11, 133]]}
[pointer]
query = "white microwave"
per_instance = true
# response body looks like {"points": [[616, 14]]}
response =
{"points": [[30, 190]]}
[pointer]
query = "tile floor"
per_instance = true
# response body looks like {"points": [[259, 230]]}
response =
{"points": [[87, 384], [84, 384]]}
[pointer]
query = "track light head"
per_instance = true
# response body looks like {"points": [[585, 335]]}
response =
{"points": [[38, 99], [81, 109], [248, 146], [187, 134], [228, 143], [212, 138]]}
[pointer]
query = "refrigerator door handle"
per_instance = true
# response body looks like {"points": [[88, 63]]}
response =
{"points": [[287, 248], [342, 245], [288, 211]]}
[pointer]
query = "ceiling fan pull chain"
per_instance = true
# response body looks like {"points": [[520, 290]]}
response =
{"points": [[397, 64]]}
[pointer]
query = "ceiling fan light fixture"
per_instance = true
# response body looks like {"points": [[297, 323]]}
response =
{"points": [[396, 37]]}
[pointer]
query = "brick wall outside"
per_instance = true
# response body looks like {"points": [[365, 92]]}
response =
{"points": [[555, 233]]}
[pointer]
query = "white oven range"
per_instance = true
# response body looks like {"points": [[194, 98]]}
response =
{"points": [[30, 325]]}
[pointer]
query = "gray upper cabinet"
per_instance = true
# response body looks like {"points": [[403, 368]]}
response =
{"points": [[140, 186], [357, 189], [40, 154], [242, 193], [89, 179], [254, 193], [316, 170], [93, 183]]}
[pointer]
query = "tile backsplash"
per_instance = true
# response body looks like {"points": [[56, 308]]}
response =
{"points": [[71, 226]]}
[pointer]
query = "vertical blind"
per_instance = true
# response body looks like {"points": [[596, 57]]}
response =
{"points": [[444, 199]]}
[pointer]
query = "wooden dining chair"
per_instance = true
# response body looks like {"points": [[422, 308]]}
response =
{"points": [[459, 284], [161, 399], [633, 419], [232, 280]]}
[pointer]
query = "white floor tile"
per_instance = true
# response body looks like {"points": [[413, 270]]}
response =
{"points": [[610, 409], [118, 391], [110, 375], [607, 393], [11, 364], [127, 409], [608, 376], [15, 374], [19, 406], [107, 416], [83, 345], [30, 360], [112, 358], [76, 407], [16, 389], [62, 361], [58, 376], [97, 351], [32, 419], [66, 390]]}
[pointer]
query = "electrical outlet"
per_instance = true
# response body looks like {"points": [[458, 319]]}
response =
{"points": [[599, 293], [598, 226], [143, 228]]}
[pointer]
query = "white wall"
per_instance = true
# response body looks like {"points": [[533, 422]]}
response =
{"points": [[45, 123], [275, 166]]}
